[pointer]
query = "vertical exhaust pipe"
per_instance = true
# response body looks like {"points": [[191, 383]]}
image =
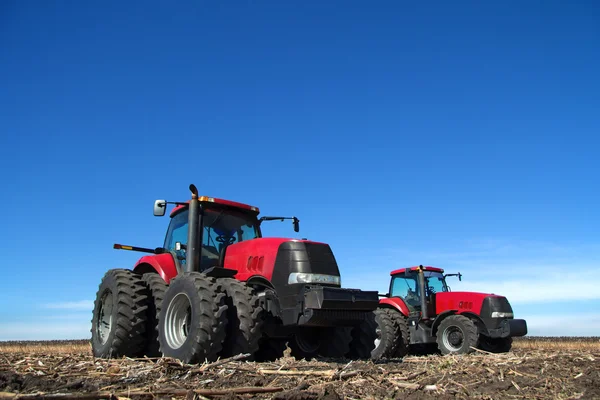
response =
{"points": [[192, 263], [424, 311]]}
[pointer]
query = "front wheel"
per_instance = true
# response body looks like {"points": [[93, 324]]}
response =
{"points": [[457, 334], [304, 344], [495, 345]]}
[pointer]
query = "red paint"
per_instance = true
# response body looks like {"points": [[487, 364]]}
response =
{"points": [[162, 263], [218, 201], [255, 257], [397, 303], [461, 301], [402, 270]]}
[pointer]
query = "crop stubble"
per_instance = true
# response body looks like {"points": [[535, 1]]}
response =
{"points": [[36, 370]]}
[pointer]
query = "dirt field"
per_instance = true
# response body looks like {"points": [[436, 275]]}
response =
{"points": [[535, 369]]}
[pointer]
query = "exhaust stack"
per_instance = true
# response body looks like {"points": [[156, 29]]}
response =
{"points": [[192, 263], [424, 313]]}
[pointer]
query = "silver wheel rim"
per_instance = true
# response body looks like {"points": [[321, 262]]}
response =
{"points": [[177, 320], [451, 336], [378, 339], [105, 316]]}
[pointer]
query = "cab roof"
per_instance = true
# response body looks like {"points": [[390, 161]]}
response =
{"points": [[425, 268], [215, 200]]}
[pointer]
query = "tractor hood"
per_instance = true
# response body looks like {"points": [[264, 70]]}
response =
{"points": [[276, 258], [485, 305]]}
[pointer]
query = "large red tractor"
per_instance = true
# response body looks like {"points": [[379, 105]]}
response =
{"points": [[217, 288], [420, 311]]}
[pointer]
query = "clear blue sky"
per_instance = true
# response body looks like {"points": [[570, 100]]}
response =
{"points": [[457, 134]]}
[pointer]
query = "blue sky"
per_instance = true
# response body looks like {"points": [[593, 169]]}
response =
{"points": [[457, 134]]}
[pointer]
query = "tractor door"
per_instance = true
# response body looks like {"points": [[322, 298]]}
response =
{"points": [[406, 287]]}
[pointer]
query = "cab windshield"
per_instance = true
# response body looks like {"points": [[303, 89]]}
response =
{"points": [[406, 286]]}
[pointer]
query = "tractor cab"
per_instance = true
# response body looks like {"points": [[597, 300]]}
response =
{"points": [[222, 225], [418, 287]]}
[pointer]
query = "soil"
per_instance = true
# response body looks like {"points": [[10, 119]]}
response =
{"points": [[531, 374]]}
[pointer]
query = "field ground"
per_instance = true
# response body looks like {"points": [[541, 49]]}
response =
{"points": [[537, 368]]}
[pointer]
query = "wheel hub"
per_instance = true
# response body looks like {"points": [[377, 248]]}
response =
{"points": [[453, 338], [177, 320]]}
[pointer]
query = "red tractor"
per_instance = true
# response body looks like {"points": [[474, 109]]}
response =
{"points": [[420, 311], [217, 288]]}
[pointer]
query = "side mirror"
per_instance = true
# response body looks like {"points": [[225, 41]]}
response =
{"points": [[160, 207], [179, 246], [296, 225]]}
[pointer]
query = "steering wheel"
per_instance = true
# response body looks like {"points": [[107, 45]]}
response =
{"points": [[225, 239]]}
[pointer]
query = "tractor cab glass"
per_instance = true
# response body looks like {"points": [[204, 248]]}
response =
{"points": [[406, 286], [223, 227], [220, 228]]}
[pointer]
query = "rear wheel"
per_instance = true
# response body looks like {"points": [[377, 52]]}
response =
{"points": [[387, 334], [245, 318], [457, 334], [495, 345], [193, 319], [403, 336], [157, 287], [119, 315], [364, 338]]}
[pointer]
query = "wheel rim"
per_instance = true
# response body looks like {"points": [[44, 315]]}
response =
{"points": [[453, 338], [378, 338], [178, 317], [105, 316]]}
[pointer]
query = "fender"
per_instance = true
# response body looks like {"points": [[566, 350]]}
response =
{"points": [[438, 320], [162, 264], [395, 302]]}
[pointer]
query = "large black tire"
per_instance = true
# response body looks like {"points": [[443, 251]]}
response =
{"points": [[304, 344], [457, 334], [402, 345], [119, 315], [270, 349], [245, 318], [335, 342], [157, 288], [193, 318], [387, 334], [363, 339], [495, 345]]}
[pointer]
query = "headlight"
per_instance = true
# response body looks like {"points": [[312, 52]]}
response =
{"points": [[498, 314], [301, 277]]}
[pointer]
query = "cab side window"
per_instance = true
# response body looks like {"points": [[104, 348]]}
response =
{"points": [[178, 231]]}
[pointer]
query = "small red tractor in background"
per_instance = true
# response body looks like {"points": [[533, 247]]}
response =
{"points": [[420, 311], [217, 288]]}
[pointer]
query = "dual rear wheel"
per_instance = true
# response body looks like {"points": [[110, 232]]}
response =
{"points": [[196, 318]]}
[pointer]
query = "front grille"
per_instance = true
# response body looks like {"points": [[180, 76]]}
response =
{"points": [[493, 303], [333, 318], [321, 259]]}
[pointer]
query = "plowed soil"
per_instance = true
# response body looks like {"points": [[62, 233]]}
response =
{"points": [[531, 374]]}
